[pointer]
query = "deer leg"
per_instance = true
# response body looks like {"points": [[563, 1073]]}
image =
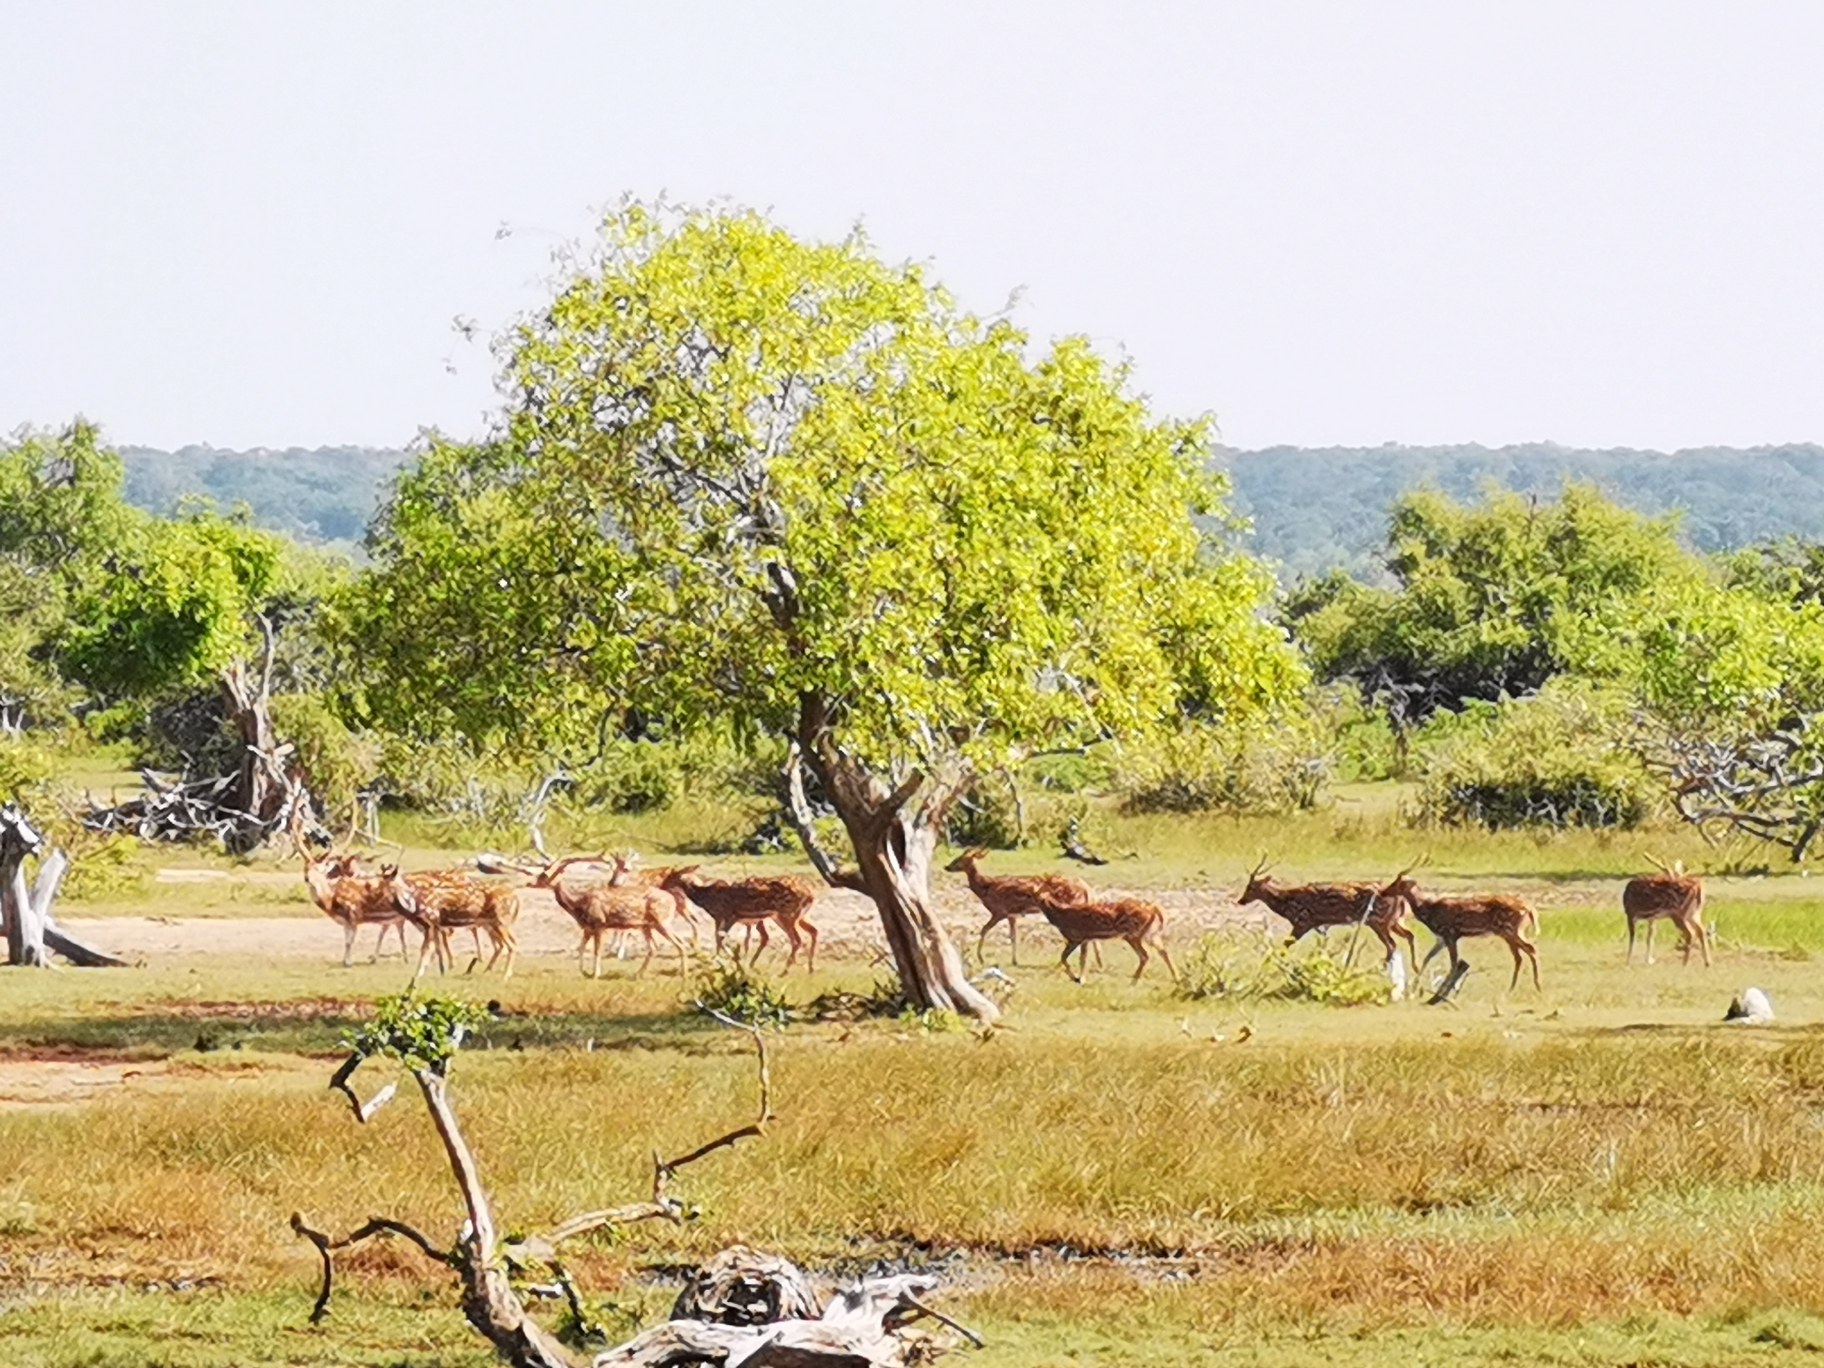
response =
{"points": [[1412, 946], [1166, 955], [810, 959], [1650, 924], [1703, 938], [1139, 947], [1532, 954], [1013, 939], [1069, 946], [981, 941], [648, 960], [348, 944], [678, 945], [791, 935], [1631, 929]]}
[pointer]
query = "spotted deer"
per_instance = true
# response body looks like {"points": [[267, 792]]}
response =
{"points": [[600, 906], [348, 896], [1313, 907], [780, 899], [1455, 919], [449, 901], [1009, 897], [1673, 895], [1128, 919]]}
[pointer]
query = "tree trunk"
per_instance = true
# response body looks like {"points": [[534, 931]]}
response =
{"points": [[895, 859], [260, 792], [24, 924], [488, 1299], [894, 833]]}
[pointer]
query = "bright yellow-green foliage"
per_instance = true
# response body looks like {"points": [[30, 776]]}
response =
{"points": [[738, 468]]}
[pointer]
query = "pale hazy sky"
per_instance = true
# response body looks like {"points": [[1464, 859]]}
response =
{"points": [[1600, 224]]}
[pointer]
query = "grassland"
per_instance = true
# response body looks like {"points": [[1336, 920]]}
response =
{"points": [[1598, 1173]]}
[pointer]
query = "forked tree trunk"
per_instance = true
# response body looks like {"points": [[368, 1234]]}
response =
{"points": [[894, 835], [895, 860], [260, 790]]}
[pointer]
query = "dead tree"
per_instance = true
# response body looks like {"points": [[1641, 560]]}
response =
{"points": [[714, 1323], [1769, 784], [25, 911]]}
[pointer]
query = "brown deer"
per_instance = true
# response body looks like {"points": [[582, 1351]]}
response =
{"points": [[449, 901], [781, 899], [1671, 894], [1312, 907], [1010, 897], [1455, 919], [608, 905], [1130, 919], [355, 900]]}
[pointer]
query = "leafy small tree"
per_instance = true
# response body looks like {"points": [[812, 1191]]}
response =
{"points": [[741, 476], [1730, 684], [1492, 599]]}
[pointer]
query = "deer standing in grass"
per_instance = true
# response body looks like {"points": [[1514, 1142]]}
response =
{"points": [[1313, 907], [1129, 919], [780, 899], [1010, 897], [1671, 894], [350, 898], [450, 901], [1455, 919], [606, 905]]}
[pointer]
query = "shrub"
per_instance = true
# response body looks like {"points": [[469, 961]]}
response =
{"points": [[1557, 758], [1201, 769], [1236, 968], [733, 989]]}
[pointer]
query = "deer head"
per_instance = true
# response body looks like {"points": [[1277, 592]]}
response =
{"points": [[1402, 886], [1260, 883], [964, 862]]}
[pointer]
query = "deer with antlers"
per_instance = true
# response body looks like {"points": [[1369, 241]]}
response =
{"points": [[1673, 895], [1315, 907], [1128, 919], [1007, 898], [349, 896], [782, 900], [602, 906], [353, 900], [1456, 919]]}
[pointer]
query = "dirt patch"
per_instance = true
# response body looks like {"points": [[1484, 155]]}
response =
{"points": [[65, 1082], [847, 924]]}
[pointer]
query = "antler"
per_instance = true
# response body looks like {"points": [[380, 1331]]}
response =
{"points": [[1260, 868]]}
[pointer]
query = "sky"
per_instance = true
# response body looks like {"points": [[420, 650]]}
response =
{"points": [[1591, 223]]}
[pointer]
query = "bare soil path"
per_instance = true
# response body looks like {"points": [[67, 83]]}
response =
{"points": [[847, 924]]}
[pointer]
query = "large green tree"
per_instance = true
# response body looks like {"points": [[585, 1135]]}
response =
{"points": [[744, 476]]}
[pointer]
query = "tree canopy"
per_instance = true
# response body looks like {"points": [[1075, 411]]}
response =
{"points": [[742, 475]]}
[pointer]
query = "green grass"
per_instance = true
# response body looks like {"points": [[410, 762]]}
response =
{"points": [[1596, 1173]]}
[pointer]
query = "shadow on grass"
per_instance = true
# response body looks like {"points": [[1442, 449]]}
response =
{"points": [[318, 1029]]}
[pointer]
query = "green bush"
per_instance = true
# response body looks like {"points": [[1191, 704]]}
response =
{"points": [[733, 989], [1255, 968], [1201, 769], [1557, 759]]}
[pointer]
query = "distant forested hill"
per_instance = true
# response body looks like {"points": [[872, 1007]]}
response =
{"points": [[321, 495], [1312, 510]]}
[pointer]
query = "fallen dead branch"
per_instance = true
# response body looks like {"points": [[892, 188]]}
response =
{"points": [[744, 1308]]}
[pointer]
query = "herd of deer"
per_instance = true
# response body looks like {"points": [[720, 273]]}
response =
{"points": [[606, 895]]}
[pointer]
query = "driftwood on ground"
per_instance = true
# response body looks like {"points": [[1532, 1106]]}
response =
{"points": [[29, 929], [744, 1310]]}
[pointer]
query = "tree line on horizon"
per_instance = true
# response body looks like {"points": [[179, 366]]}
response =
{"points": [[1311, 509]]}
